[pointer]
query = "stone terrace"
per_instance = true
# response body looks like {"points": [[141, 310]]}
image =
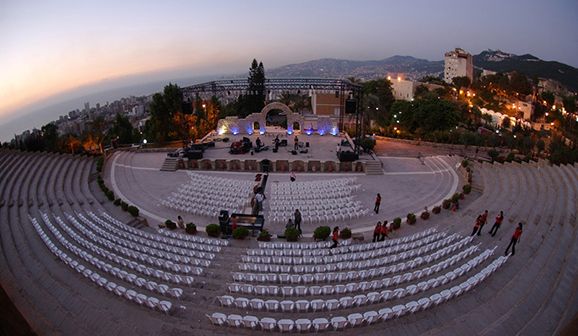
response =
{"points": [[72, 265]]}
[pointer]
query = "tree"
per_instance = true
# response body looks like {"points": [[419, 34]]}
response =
{"points": [[519, 83], [506, 123], [98, 125], [122, 130], [50, 136], [462, 81], [569, 104], [469, 139], [549, 98], [421, 90], [254, 100], [493, 154], [160, 127], [428, 115], [487, 118]]}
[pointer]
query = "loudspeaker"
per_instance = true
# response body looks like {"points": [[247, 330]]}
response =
{"points": [[307, 144], [294, 152], [350, 106]]}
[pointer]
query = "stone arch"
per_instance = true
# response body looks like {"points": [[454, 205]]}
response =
{"points": [[291, 117]]}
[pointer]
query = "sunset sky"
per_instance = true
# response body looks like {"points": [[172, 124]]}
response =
{"points": [[52, 47]]}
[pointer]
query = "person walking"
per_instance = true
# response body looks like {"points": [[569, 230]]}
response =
{"points": [[478, 224], [377, 203], [384, 231], [484, 219], [298, 219], [497, 224], [515, 239], [335, 237], [376, 232]]}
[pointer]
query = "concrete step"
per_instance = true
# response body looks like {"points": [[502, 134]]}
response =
{"points": [[373, 168], [170, 164]]}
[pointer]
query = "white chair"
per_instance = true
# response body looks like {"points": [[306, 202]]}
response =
{"points": [[268, 323], [226, 300], [176, 292], [287, 305], [320, 324], [235, 320], [285, 325], [250, 322], [217, 318], [164, 306], [436, 299], [412, 307], [355, 319], [360, 300], [303, 324], [371, 316], [386, 313], [346, 302], [373, 297], [272, 305], [399, 310], [332, 304], [424, 303], [328, 289], [340, 289], [317, 304], [446, 294], [398, 293], [339, 322], [257, 304], [411, 290], [314, 290], [153, 302], [386, 294], [241, 302]]}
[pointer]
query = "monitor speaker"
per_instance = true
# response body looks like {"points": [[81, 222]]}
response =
{"points": [[350, 106]]}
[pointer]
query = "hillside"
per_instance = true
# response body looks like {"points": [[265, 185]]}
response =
{"points": [[529, 65]]}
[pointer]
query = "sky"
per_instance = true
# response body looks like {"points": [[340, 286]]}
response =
{"points": [[58, 50]]}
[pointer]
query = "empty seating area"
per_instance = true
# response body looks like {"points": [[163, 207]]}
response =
{"points": [[72, 264], [323, 201], [206, 195]]}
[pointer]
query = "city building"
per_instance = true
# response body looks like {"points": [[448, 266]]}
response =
{"points": [[458, 63], [326, 104], [405, 89]]}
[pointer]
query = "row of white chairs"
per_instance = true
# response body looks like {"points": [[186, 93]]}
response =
{"points": [[201, 210], [161, 260], [299, 249], [206, 251], [273, 290], [131, 295], [175, 254], [315, 204], [308, 185], [328, 194], [142, 269], [186, 241], [290, 257], [355, 319], [208, 200], [323, 273], [216, 181]]}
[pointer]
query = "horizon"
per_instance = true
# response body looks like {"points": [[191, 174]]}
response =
{"points": [[63, 50]]}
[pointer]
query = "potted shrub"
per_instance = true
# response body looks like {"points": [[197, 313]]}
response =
{"points": [[465, 163], [124, 206], [396, 223], [345, 233], [264, 236], [424, 214], [213, 230], [321, 232], [436, 210], [467, 188], [133, 210], [117, 201], [292, 234], [170, 224], [446, 203], [410, 218], [110, 195], [191, 228], [455, 197], [240, 232]]}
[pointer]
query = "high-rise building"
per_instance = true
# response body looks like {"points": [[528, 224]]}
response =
{"points": [[87, 107], [458, 64]]}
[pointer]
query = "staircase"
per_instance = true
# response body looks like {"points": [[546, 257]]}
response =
{"points": [[170, 164], [373, 168]]}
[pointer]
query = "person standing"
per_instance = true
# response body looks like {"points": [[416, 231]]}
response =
{"points": [[292, 177], [289, 224], [258, 203], [483, 220], [298, 221], [180, 222], [515, 239], [478, 224], [384, 231], [376, 232], [296, 144], [497, 224], [377, 203], [234, 221], [335, 236]]}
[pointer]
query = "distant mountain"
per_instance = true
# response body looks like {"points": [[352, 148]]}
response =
{"points": [[530, 65], [407, 66]]}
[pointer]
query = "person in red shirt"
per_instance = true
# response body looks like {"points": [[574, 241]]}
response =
{"points": [[384, 231], [497, 224], [478, 225], [335, 236], [515, 239], [377, 203], [376, 232], [483, 221], [234, 221]]}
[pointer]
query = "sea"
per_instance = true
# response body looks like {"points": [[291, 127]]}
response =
{"points": [[51, 109]]}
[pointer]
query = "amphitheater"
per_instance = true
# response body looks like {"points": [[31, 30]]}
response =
{"points": [[74, 264]]}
